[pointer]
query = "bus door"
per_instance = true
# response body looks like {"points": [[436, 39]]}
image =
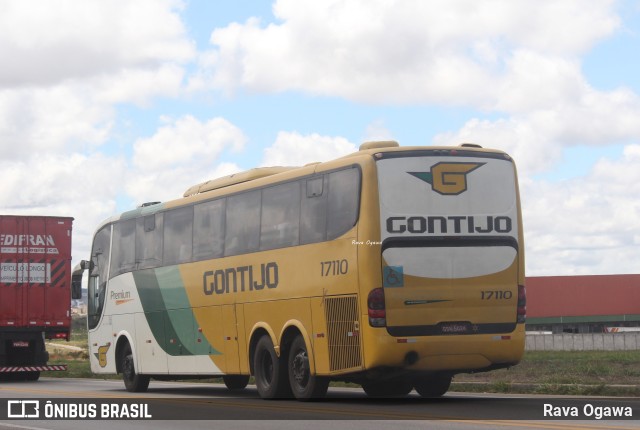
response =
{"points": [[230, 335]]}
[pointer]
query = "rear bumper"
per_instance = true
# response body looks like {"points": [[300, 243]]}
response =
{"points": [[24, 347], [451, 353]]}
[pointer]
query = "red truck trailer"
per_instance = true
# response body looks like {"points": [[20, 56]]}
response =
{"points": [[35, 291]]}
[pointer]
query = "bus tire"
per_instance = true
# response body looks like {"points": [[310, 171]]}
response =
{"points": [[236, 382], [432, 386], [270, 374], [133, 382], [304, 385], [32, 376], [399, 387]]}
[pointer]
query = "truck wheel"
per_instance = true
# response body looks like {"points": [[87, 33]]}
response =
{"points": [[133, 382], [235, 382], [32, 376], [432, 386], [271, 377], [304, 385]]}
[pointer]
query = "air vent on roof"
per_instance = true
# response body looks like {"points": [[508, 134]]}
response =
{"points": [[379, 144], [236, 178], [470, 145], [147, 204]]}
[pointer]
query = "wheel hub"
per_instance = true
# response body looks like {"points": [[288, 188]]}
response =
{"points": [[301, 368]]}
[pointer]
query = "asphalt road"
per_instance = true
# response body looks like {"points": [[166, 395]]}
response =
{"points": [[195, 405]]}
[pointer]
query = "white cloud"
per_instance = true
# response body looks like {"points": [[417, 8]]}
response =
{"points": [[530, 145], [535, 138], [181, 153], [389, 51], [53, 119], [377, 131], [294, 149], [48, 180], [186, 141], [69, 63], [586, 225], [138, 85], [521, 60], [66, 64], [538, 80], [52, 41], [83, 187]]}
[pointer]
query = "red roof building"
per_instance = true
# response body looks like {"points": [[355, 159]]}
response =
{"points": [[582, 303]]}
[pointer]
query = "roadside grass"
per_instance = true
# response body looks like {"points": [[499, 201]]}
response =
{"points": [[569, 367], [602, 373], [596, 373]]}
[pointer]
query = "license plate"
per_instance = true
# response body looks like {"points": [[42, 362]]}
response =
{"points": [[462, 327], [20, 344]]}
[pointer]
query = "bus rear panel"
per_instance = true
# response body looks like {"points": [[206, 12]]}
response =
{"points": [[451, 296]]}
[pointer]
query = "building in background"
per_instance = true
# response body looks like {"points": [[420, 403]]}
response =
{"points": [[583, 304]]}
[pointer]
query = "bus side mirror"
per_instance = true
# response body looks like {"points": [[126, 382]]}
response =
{"points": [[76, 279]]}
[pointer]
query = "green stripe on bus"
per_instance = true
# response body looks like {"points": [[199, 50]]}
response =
{"points": [[168, 312], [155, 310], [180, 312]]}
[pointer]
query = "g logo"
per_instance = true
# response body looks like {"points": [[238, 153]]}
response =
{"points": [[449, 179], [101, 355]]}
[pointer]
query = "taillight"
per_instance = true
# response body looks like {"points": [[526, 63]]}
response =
{"points": [[376, 309], [522, 304], [60, 335]]}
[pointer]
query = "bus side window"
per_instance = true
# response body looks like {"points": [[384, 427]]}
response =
{"points": [[315, 187], [178, 234], [344, 199], [280, 216], [242, 223], [313, 211], [124, 247], [208, 229], [149, 241]]}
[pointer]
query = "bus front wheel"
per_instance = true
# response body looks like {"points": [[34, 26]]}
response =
{"points": [[133, 381], [270, 374], [304, 384]]}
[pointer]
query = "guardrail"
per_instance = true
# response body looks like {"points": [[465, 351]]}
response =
{"points": [[629, 341]]}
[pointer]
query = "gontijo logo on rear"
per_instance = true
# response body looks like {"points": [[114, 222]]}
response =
{"points": [[448, 178]]}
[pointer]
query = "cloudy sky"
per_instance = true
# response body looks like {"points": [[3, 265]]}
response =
{"points": [[108, 104]]}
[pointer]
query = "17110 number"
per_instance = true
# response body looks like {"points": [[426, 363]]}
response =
{"points": [[496, 295], [334, 268]]}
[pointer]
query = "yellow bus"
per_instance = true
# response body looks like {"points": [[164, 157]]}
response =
{"points": [[393, 267]]}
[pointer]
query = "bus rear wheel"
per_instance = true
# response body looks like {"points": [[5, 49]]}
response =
{"points": [[270, 374], [133, 381], [235, 382], [388, 388], [304, 384], [432, 386]]}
